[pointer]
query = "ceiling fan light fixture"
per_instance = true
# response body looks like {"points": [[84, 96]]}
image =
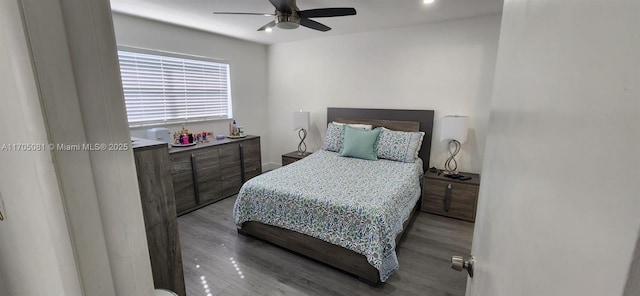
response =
{"points": [[428, 1], [287, 21], [288, 25]]}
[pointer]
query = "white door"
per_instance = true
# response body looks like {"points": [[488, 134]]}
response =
{"points": [[36, 256], [72, 222], [559, 205]]}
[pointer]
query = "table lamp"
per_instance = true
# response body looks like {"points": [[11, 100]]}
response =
{"points": [[301, 124], [453, 128]]}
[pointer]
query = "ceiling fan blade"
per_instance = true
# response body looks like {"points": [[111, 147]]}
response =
{"points": [[245, 13], [327, 12], [269, 25], [282, 5], [313, 25]]}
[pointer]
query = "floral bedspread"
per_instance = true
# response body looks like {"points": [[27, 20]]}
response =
{"points": [[354, 203]]}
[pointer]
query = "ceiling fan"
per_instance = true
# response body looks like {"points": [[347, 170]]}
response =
{"points": [[288, 16]]}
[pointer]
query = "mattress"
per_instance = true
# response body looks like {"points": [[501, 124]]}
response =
{"points": [[358, 204]]}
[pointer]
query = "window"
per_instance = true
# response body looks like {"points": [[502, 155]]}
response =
{"points": [[161, 87]]}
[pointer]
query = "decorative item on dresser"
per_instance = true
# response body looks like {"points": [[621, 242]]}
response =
{"points": [[450, 197], [159, 213], [292, 157], [209, 172]]}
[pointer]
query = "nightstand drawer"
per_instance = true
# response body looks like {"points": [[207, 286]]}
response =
{"points": [[292, 157], [288, 160], [452, 199]]}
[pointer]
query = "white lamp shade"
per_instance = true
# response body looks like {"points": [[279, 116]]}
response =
{"points": [[454, 127], [300, 120]]}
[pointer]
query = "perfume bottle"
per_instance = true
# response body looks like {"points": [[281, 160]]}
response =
{"points": [[235, 129]]}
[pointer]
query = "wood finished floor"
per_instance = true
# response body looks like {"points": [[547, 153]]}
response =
{"points": [[211, 246]]}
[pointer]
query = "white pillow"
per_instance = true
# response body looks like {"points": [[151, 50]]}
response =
{"points": [[335, 135], [366, 127]]}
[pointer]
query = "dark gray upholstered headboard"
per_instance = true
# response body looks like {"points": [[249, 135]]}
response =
{"points": [[423, 117]]}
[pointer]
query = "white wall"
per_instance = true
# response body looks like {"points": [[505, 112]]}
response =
{"points": [[248, 63], [560, 197], [446, 66]]}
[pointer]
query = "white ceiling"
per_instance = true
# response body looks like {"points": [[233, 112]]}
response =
{"points": [[372, 15]]}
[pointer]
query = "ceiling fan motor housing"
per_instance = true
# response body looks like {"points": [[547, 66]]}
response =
{"points": [[287, 21]]}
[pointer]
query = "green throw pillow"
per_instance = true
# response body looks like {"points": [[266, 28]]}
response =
{"points": [[360, 143]]}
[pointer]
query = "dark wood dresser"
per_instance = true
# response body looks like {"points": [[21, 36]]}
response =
{"points": [[159, 212], [208, 172], [293, 157], [450, 197]]}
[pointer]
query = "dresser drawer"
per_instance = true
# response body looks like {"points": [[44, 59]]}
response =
{"points": [[452, 199]]}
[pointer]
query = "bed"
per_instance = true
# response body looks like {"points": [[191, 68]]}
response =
{"points": [[349, 213]]}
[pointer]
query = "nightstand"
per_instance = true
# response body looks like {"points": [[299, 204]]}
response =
{"points": [[293, 157], [450, 197]]}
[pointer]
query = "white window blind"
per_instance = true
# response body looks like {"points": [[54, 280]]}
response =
{"points": [[168, 88]]}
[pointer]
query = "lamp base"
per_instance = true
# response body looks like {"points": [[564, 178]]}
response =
{"points": [[451, 165], [302, 147]]}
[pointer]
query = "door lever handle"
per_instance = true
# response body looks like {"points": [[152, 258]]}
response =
{"points": [[458, 263], [1, 208]]}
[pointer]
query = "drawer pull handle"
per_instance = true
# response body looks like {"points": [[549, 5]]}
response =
{"points": [[194, 175], [447, 198], [242, 168]]}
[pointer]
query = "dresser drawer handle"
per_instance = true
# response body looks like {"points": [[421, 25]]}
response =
{"points": [[194, 175], [447, 198]]}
